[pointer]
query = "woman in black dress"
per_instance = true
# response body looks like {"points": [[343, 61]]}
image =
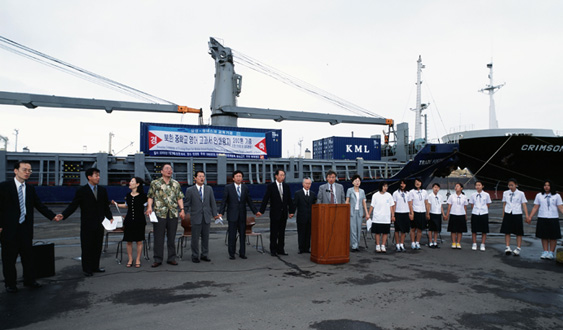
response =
{"points": [[134, 222]]}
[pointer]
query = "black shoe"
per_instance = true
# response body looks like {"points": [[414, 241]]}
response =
{"points": [[156, 264], [232, 257], [283, 253], [243, 257], [32, 285], [100, 270], [205, 258], [355, 250], [273, 254], [173, 263], [11, 289], [195, 260], [88, 274], [299, 252]]}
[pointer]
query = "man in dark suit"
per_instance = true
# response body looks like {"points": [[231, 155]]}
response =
{"points": [[200, 202], [17, 200], [303, 201], [279, 196], [94, 208], [235, 198]]}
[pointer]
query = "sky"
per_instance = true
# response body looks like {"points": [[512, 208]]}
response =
{"points": [[362, 51]]}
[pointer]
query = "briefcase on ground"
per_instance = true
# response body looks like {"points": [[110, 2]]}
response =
{"points": [[43, 259]]}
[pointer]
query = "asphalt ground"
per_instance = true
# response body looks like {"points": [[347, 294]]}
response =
{"points": [[424, 289]]}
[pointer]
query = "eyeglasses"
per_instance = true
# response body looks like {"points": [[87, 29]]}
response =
{"points": [[26, 170]]}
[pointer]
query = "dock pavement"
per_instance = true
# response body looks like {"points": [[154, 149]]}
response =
{"points": [[424, 289]]}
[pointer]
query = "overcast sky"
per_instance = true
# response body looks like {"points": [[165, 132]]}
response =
{"points": [[362, 51]]}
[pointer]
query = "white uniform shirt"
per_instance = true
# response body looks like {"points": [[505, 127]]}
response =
{"points": [[479, 202], [435, 203], [418, 198], [458, 203], [514, 201], [548, 205], [402, 201], [381, 204]]}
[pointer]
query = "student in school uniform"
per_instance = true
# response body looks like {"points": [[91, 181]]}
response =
{"points": [[401, 209], [457, 215], [382, 206], [434, 214], [513, 201], [417, 212], [547, 228], [479, 215]]}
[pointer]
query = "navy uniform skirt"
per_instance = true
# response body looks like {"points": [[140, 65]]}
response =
{"points": [[457, 224], [435, 223], [480, 223], [512, 224], [548, 228], [402, 222]]}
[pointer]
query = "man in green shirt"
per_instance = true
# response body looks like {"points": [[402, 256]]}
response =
{"points": [[164, 197]]}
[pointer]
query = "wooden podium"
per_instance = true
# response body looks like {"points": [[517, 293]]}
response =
{"points": [[330, 233]]}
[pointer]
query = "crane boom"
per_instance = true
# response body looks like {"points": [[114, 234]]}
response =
{"points": [[33, 101]]}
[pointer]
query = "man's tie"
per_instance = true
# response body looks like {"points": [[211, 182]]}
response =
{"points": [[201, 193], [281, 191], [238, 193], [96, 192], [332, 200], [22, 204]]}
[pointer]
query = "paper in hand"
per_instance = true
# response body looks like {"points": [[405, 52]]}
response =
{"points": [[152, 217], [108, 225], [368, 224], [219, 220]]}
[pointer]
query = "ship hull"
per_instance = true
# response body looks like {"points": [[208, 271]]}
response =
{"points": [[529, 159]]}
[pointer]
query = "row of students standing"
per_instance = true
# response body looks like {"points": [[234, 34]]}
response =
{"points": [[416, 210]]}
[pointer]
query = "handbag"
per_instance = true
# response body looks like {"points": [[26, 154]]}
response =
{"points": [[43, 255]]}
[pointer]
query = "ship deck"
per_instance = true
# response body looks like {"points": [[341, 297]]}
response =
{"points": [[430, 288]]}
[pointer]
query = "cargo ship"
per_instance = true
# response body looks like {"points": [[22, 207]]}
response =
{"points": [[494, 155], [223, 147]]}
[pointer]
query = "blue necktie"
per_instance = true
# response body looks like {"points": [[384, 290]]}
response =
{"points": [[238, 193], [201, 193], [22, 204]]}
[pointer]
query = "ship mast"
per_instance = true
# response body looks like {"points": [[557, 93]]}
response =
{"points": [[491, 90], [419, 105]]}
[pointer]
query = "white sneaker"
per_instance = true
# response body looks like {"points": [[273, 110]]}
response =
{"points": [[482, 247], [383, 249], [544, 255], [417, 245], [398, 246], [516, 251], [377, 248], [403, 248], [413, 245], [474, 247], [508, 251], [550, 255]]}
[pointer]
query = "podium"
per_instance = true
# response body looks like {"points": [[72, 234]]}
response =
{"points": [[330, 233]]}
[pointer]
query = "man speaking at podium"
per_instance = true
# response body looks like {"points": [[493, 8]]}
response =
{"points": [[331, 192]]}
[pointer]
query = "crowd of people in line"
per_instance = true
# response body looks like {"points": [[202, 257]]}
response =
{"points": [[409, 211]]}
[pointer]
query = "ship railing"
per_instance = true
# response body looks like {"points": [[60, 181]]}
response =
{"points": [[51, 169]]}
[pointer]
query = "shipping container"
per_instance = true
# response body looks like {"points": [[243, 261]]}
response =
{"points": [[159, 139], [337, 147]]}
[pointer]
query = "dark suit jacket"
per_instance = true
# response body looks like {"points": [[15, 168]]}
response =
{"points": [[278, 208], [10, 210], [303, 204], [200, 212], [92, 211], [236, 209]]}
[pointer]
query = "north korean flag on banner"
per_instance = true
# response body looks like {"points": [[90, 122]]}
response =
{"points": [[261, 145]]}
